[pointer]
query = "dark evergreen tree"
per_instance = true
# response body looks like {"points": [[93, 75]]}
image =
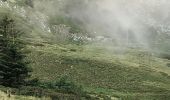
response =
{"points": [[13, 67]]}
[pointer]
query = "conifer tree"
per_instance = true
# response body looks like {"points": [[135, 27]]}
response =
{"points": [[13, 67]]}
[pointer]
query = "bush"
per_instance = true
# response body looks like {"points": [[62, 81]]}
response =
{"points": [[33, 82], [165, 56], [168, 64], [164, 74], [63, 85], [69, 86]]}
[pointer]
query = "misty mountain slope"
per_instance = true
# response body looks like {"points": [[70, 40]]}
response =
{"points": [[96, 46], [33, 23], [58, 20], [39, 25]]}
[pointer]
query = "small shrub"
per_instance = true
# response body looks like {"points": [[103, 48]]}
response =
{"points": [[168, 64], [73, 50], [69, 86], [33, 82], [165, 56], [164, 74]]}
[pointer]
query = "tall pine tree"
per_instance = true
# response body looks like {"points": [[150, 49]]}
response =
{"points": [[13, 67]]}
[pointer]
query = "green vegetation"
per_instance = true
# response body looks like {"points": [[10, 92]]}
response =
{"points": [[123, 75]]}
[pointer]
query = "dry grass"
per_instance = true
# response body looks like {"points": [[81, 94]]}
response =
{"points": [[4, 96]]}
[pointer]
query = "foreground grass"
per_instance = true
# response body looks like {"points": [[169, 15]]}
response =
{"points": [[4, 96]]}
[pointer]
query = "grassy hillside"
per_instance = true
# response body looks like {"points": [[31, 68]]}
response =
{"points": [[132, 75]]}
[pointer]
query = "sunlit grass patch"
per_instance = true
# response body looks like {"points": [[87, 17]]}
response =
{"points": [[4, 96]]}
